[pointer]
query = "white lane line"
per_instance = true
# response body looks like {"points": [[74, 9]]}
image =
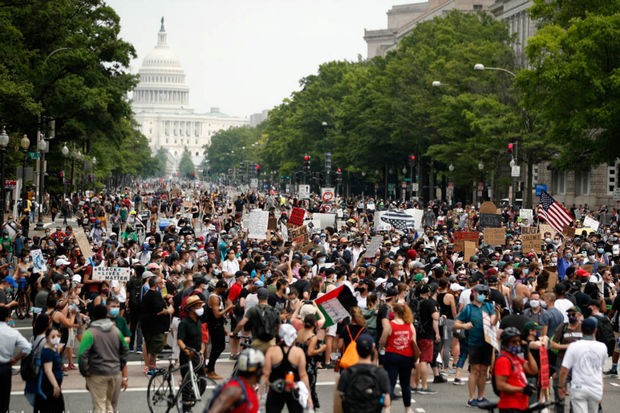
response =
{"points": [[143, 389], [419, 410], [614, 384]]}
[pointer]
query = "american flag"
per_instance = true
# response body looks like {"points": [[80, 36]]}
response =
{"points": [[553, 212], [399, 220]]}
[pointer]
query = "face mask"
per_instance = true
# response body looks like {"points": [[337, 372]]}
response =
{"points": [[114, 311], [105, 291], [401, 273], [554, 260], [216, 272], [55, 341], [322, 260], [199, 311], [309, 263], [510, 271], [547, 240], [27, 260], [526, 271], [514, 350], [569, 256], [600, 250], [481, 298], [534, 303]]}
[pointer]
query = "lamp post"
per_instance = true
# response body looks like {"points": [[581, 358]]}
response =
{"points": [[481, 67], [43, 147], [65, 153], [4, 141], [94, 175], [24, 143], [450, 191], [338, 180], [480, 186]]}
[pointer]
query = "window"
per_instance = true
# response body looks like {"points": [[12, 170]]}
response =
{"points": [[558, 181], [582, 182], [477, 6], [611, 178], [196, 153]]}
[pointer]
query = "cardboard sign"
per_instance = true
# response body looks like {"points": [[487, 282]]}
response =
{"points": [[259, 221], [325, 220], [469, 249], [568, 231], [80, 237], [490, 221], [488, 208], [373, 246], [542, 228], [111, 274], [553, 277], [531, 242], [494, 236], [297, 216], [461, 236], [527, 214], [490, 331], [591, 223], [273, 224], [38, 262], [298, 235]]}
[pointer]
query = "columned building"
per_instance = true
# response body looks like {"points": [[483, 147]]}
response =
{"points": [[160, 103]]}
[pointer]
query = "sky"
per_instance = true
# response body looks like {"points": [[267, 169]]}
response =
{"points": [[245, 56]]}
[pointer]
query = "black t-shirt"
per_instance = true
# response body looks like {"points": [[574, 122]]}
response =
{"points": [[354, 329], [301, 286], [151, 323], [345, 377], [497, 298], [190, 332], [279, 303], [513, 320], [428, 306]]}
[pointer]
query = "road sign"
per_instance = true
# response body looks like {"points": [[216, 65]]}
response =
{"points": [[327, 194], [10, 183], [34, 155], [515, 171], [304, 191], [414, 187], [542, 187]]}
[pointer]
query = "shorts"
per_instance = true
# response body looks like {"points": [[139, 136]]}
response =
{"points": [[331, 330], [426, 349], [617, 348], [480, 354], [263, 345], [154, 343]]}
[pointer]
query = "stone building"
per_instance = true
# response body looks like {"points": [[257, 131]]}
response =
{"points": [[161, 106]]}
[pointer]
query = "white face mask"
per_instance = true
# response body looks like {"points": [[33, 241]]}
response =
{"points": [[199, 311], [55, 341], [534, 303]]}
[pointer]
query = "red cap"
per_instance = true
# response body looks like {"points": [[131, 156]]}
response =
{"points": [[491, 271], [201, 238], [411, 254], [582, 273]]}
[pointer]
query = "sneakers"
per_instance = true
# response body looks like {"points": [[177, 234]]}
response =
{"points": [[152, 372], [611, 372], [458, 382], [428, 390], [214, 376], [472, 403], [414, 390], [440, 379], [139, 350]]}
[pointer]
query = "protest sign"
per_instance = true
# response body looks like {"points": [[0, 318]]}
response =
{"points": [[494, 236], [490, 331], [373, 246], [531, 242], [298, 235], [297, 216], [469, 248], [303, 191], [490, 221], [568, 231], [38, 262], [461, 236], [328, 194], [111, 273], [85, 247], [527, 214], [544, 228], [273, 224], [553, 277], [590, 222], [379, 224], [325, 220], [259, 221]]}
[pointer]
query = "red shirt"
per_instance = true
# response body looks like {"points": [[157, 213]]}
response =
{"points": [[251, 404], [235, 291], [399, 341], [512, 367]]}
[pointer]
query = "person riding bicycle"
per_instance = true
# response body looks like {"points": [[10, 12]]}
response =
{"points": [[510, 373], [190, 336], [238, 394]]}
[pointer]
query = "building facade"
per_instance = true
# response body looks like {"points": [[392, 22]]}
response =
{"points": [[160, 103]]}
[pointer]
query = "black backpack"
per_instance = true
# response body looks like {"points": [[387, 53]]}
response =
{"points": [[30, 365], [267, 328], [362, 393], [605, 333]]}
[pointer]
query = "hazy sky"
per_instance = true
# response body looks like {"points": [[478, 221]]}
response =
{"points": [[245, 56]]}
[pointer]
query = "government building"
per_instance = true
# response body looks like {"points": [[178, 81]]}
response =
{"points": [[161, 106]]}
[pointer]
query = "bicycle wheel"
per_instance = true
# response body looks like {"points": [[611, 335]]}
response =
{"points": [[193, 396], [23, 305], [159, 393]]}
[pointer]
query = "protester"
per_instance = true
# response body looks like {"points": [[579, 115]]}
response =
{"points": [[49, 398], [13, 347]]}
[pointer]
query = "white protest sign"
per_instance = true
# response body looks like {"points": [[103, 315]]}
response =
{"points": [[373, 246], [380, 225], [259, 222], [417, 217], [303, 191], [327, 220], [38, 262], [591, 223], [527, 214], [111, 273], [490, 331]]}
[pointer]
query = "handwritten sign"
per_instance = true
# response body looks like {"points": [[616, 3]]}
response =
{"points": [[259, 221], [469, 248], [325, 220], [494, 236], [297, 216], [298, 235], [553, 277], [527, 214], [544, 228], [38, 262], [461, 236], [591, 223], [531, 242], [111, 274], [488, 208], [490, 332], [373, 246], [568, 231], [490, 221]]}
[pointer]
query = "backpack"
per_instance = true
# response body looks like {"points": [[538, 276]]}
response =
{"points": [[493, 382], [605, 334], [350, 356], [362, 392], [30, 365], [218, 390], [270, 320], [371, 321]]}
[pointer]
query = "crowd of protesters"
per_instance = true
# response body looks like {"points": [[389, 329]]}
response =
{"points": [[417, 290]]}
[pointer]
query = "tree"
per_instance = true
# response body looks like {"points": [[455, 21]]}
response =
{"points": [[230, 147], [187, 168]]}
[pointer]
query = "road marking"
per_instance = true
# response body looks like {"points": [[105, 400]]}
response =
{"points": [[614, 384], [419, 410], [143, 389]]}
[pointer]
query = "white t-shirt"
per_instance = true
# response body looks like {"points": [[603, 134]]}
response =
{"points": [[464, 298], [563, 304], [586, 358]]}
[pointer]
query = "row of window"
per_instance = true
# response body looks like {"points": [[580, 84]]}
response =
{"points": [[582, 182], [162, 79]]}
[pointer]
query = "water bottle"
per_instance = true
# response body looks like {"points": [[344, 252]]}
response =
{"points": [[289, 380]]}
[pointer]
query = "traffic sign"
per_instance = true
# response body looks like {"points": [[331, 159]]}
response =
{"points": [[327, 194], [10, 183], [515, 171], [34, 155]]}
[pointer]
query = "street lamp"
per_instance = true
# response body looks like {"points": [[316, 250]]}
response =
{"points": [[4, 141], [43, 148], [94, 175], [481, 67], [451, 168], [25, 144], [65, 154], [436, 83]]}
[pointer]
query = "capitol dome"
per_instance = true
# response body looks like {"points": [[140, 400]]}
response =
{"points": [[162, 79]]}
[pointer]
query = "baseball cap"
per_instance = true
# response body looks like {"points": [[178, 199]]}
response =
{"points": [[147, 274], [391, 292], [531, 325], [221, 284], [62, 261], [364, 345], [10, 280], [153, 266], [262, 293], [588, 325]]}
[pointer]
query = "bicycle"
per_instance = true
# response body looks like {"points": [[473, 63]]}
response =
{"points": [[534, 407], [22, 297], [163, 395], [244, 342]]}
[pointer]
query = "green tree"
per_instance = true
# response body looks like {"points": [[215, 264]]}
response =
{"points": [[187, 168], [230, 147]]}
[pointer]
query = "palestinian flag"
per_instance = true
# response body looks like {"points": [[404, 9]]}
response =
{"points": [[335, 305]]}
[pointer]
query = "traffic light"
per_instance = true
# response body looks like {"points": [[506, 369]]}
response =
{"points": [[510, 148], [307, 162], [411, 159], [257, 169]]}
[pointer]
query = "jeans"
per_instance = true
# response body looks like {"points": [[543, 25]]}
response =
{"points": [[218, 343], [104, 391], [463, 354], [582, 402], [446, 340], [400, 367]]}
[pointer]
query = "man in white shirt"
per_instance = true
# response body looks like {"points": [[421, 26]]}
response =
{"points": [[585, 360], [11, 340], [230, 266]]}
